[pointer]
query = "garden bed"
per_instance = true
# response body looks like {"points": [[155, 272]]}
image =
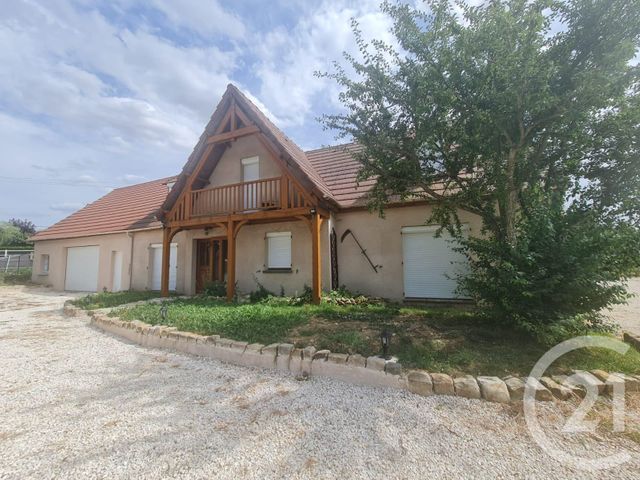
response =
{"points": [[437, 339], [96, 301]]}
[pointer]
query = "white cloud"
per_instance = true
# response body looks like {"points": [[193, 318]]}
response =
{"points": [[289, 58], [207, 17], [66, 207]]}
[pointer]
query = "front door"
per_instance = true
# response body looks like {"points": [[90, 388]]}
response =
{"points": [[211, 261]]}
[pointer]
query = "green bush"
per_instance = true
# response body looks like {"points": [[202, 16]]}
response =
{"points": [[215, 289], [16, 278], [555, 279]]}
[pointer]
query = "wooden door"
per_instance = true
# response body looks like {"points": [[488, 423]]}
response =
{"points": [[211, 258]]}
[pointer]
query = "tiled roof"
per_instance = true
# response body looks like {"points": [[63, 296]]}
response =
{"points": [[339, 170], [127, 208]]}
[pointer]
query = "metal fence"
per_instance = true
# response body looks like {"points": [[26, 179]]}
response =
{"points": [[15, 260]]}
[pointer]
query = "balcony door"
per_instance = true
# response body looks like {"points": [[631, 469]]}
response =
{"points": [[250, 173]]}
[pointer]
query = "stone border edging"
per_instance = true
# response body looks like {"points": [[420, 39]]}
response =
{"points": [[371, 371], [632, 339]]}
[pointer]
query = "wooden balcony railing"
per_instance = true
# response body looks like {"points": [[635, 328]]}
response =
{"points": [[266, 194]]}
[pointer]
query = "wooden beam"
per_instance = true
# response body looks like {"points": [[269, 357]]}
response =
{"points": [[166, 256], [238, 226], [196, 222], [231, 262], [225, 137], [316, 260]]}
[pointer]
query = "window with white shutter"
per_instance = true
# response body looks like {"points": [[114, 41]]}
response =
{"points": [[279, 250]]}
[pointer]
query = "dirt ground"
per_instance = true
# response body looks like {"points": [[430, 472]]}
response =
{"points": [[77, 403]]}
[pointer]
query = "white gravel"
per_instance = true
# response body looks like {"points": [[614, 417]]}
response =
{"points": [[76, 403]]}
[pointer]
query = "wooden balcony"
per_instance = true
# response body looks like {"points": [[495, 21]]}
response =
{"points": [[244, 198]]}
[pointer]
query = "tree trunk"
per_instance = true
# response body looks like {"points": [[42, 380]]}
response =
{"points": [[511, 199]]}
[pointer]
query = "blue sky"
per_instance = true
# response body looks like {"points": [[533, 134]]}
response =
{"points": [[96, 95]]}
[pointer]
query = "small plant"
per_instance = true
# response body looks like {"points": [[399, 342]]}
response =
{"points": [[261, 294], [215, 289], [343, 296]]}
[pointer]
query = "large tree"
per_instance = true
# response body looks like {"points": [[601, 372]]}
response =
{"points": [[525, 113]]}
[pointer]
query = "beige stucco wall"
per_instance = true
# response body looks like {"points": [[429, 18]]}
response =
{"points": [[136, 274], [381, 238], [251, 257], [229, 168]]}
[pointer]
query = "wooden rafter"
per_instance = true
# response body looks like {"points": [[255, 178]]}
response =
{"points": [[232, 135]]}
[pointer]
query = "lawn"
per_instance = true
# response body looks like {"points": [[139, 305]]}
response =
{"points": [[95, 301], [438, 339], [16, 278]]}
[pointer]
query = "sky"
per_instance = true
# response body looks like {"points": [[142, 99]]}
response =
{"points": [[96, 95]]}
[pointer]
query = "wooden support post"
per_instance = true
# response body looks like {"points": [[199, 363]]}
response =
{"points": [[316, 222], [231, 262], [166, 256]]}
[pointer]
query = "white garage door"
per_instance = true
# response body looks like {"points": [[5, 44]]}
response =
{"points": [[156, 266], [430, 264], [82, 269]]}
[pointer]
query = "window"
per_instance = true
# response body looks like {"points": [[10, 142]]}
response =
{"points": [[279, 251], [44, 263]]}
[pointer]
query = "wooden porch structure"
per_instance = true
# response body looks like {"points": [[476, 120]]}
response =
{"points": [[288, 197]]}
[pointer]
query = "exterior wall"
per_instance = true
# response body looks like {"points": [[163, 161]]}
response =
{"points": [[135, 275], [229, 168], [251, 253], [381, 238]]}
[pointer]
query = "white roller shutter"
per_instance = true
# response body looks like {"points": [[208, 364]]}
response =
{"points": [[156, 266], [82, 269], [279, 250], [430, 264]]}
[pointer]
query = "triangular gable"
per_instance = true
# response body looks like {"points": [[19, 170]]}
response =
{"points": [[236, 113]]}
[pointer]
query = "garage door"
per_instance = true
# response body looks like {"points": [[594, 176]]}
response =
{"points": [[430, 264], [82, 269], [156, 266]]}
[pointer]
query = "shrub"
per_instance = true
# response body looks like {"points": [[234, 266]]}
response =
{"points": [[215, 289]]}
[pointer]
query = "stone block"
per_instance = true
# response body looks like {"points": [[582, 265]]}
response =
{"points": [[494, 389], [541, 393], [466, 387], [295, 361], [376, 363], [357, 361], [515, 386], [581, 377], [559, 391], [576, 390], [339, 358], [393, 368], [419, 382], [284, 354], [321, 355], [442, 384]]}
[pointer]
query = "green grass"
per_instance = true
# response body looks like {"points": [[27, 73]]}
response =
{"points": [[95, 301], [15, 278], [438, 339]]}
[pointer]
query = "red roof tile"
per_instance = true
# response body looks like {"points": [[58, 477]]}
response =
{"points": [[123, 209], [339, 170]]}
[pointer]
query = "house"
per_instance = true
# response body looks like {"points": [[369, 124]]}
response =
{"points": [[250, 207]]}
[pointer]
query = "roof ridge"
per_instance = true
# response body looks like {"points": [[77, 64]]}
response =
{"points": [[134, 185], [329, 147]]}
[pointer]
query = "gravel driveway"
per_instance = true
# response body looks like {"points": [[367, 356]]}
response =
{"points": [[76, 403]]}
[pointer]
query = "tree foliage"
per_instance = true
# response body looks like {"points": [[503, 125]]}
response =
{"points": [[10, 235], [27, 227], [525, 113]]}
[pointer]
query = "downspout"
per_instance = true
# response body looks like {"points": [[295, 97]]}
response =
{"points": [[130, 235]]}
